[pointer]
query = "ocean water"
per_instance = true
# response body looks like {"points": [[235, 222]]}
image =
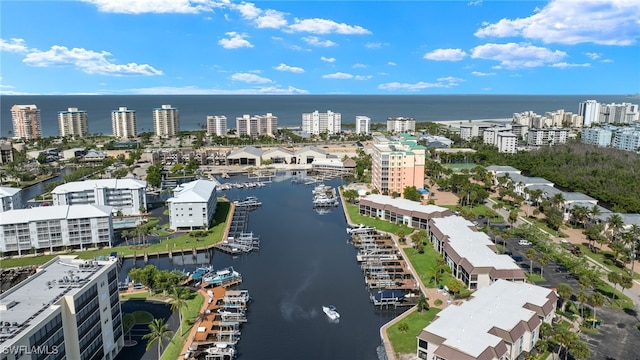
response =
{"points": [[289, 108], [304, 262]]}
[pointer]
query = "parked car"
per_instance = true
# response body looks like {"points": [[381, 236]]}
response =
{"points": [[524, 242], [517, 258]]}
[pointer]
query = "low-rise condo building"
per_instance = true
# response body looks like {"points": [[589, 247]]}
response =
{"points": [[471, 255], [193, 205], [401, 211], [69, 309], [501, 321], [10, 198], [55, 227], [126, 196]]}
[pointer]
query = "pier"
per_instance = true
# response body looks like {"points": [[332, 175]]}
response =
{"points": [[238, 239]]}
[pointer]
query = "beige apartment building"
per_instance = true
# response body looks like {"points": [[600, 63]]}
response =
{"points": [[166, 121], [26, 122], [73, 122], [256, 125], [123, 123], [397, 164]]}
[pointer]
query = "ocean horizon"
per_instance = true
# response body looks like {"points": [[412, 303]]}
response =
{"points": [[289, 108]]}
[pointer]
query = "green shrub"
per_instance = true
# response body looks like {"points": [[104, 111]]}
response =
{"points": [[438, 302]]}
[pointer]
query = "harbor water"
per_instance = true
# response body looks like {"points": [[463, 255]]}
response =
{"points": [[305, 261]]}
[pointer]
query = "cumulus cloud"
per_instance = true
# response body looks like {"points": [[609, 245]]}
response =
{"points": [[391, 63], [604, 22], [269, 18], [475, 3], [512, 55], [327, 59], [155, 6], [374, 45], [445, 55], [359, 66], [338, 75], [235, 41], [315, 41], [325, 26], [362, 77], [193, 90], [293, 69], [250, 78], [593, 55], [443, 82], [89, 61], [14, 45], [480, 73], [564, 65]]}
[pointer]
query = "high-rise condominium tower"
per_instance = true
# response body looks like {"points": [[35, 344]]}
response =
{"points": [[257, 125], [166, 121], [316, 123], [73, 122], [123, 122], [217, 125], [363, 124], [26, 122]]}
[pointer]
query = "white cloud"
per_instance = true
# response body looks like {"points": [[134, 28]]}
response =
{"points": [[235, 41], [328, 59], [363, 77], [248, 11], [13, 45], [338, 75], [604, 22], [606, 61], [155, 6], [512, 55], [269, 18], [193, 90], [315, 41], [445, 55], [443, 82], [593, 55], [374, 45], [359, 66], [391, 63], [250, 78], [475, 3], [564, 65], [324, 26], [91, 62], [293, 69], [480, 73]]}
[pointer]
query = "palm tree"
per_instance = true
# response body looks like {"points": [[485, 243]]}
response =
{"points": [[614, 225], [531, 255], [596, 300], [178, 302], [159, 331], [564, 292], [582, 297], [403, 327], [422, 304], [543, 259], [579, 350], [562, 336], [557, 200]]}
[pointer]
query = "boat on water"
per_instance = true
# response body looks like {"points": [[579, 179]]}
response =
{"points": [[222, 277], [220, 351], [331, 312]]}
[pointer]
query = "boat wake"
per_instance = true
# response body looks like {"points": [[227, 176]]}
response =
{"points": [[290, 308]]}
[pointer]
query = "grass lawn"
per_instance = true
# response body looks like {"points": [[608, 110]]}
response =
{"points": [[142, 317], [189, 314], [381, 225], [600, 256], [534, 278], [406, 343], [183, 242], [620, 301], [542, 225], [424, 264]]}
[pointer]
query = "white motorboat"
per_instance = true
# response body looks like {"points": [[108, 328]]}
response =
{"points": [[331, 312]]}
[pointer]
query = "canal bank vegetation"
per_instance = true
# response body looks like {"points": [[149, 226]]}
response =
{"points": [[382, 225], [176, 244]]}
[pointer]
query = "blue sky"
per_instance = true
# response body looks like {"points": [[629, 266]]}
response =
{"points": [[319, 47]]}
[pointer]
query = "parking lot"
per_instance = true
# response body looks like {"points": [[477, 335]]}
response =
{"points": [[617, 337]]}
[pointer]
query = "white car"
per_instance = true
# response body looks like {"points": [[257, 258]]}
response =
{"points": [[524, 242]]}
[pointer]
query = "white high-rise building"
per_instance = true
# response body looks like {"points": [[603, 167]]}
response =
{"points": [[26, 122], [166, 121], [123, 123], [69, 309], [590, 112], [316, 123], [217, 125], [73, 122], [257, 125], [401, 124], [363, 124]]}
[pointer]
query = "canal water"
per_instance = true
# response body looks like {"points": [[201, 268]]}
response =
{"points": [[305, 261]]}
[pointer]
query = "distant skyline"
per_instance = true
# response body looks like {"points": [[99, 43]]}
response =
{"points": [[116, 47]]}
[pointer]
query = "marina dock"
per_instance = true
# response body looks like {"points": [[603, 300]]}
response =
{"points": [[239, 239]]}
